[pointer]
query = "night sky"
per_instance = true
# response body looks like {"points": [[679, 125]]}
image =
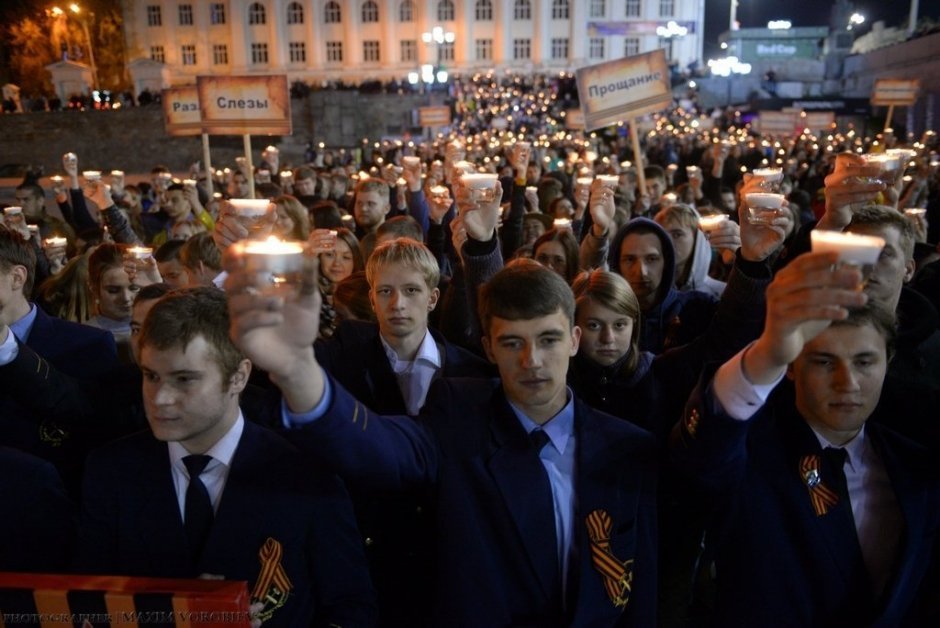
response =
{"points": [[756, 14]]}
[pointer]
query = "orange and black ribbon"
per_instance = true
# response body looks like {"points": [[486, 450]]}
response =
{"points": [[822, 497], [272, 585], [618, 575]]}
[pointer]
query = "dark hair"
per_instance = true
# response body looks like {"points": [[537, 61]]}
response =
{"points": [[878, 316], [401, 227], [151, 292], [32, 188], [654, 172], [568, 243], [105, 256], [16, 251], [201, 248], [523, 290], [183, 315], [352, 294], [169, 251], [325, 215]]}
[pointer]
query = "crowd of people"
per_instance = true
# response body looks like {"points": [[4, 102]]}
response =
{"points": [[522, 377]]}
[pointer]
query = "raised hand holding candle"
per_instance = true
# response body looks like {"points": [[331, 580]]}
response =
{"points": [[763, 207], [481, 185], [853, 249]]}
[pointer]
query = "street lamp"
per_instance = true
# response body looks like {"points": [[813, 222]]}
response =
{"points": [[670, 32], [77, 10], [857, 19], [427, 74]]}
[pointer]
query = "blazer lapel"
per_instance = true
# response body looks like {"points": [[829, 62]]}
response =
{"points": [[161, 525], [516, 469], [836, 526]]}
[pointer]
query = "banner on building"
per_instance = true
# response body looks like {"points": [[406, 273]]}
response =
{"points": [[777, 122], [623, 89], [181, 111], [899, 92], [433, 116], [245, 105], [574, 119]]}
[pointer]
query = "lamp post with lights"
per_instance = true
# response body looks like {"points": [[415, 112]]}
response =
{"points": [[77, 11], [429, 72]]}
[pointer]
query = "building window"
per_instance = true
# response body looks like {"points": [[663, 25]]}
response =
{"points": [[521, 48], [189, 54], [259, 54], [633, 8], [598, 8], [217, 13], [445, 11], [334, 52], [370, 51], [186, 14], [370, 12], [406, 12], [559, 48], [295, 13], [484, 49], [154, 17], [445, 51], [666, 44], [597, 48], [297, 51], [409, 50], [256, 14], [484, 11], [158, 54], [560, 9], [631, 46], [522, 10], [332, 14], [220, 54], [667, 8]]}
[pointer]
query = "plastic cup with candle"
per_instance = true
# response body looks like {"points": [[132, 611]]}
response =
{"points": [[562, 224], [54, 242], [13, 215], [770, 177], [440, 194], [889, 165], [482, 186], [348, 221], [668, 200], [915, 212], [853, 249], [609, 180], [33, 231], [712, 222], [693, 172], [276, 265], [92, 176], [251, 211], [763, 207], [140, 252], [264, 176], [69, 161], [286, 177], [411, 162]]}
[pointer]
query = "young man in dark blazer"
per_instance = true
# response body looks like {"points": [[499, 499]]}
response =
{"points": [[822, 515], [546, 508], [208, 492]]}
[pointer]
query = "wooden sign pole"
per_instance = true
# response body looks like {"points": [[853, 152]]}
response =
{"points": [[249, 166], [207, 164], [638, 159]]}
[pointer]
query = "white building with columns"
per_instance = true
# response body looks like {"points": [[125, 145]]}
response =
{"points": [[356, 40]]}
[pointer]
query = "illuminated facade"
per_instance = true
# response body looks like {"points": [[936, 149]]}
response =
{"points": [[356, 40]]}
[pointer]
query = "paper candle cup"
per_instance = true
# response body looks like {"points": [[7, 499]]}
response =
{"points": [[92, 175], [860, 250]]}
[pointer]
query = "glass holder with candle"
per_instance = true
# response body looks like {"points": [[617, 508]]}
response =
{"points": [[274, 266], [251, 213], [859, 251], [764, 207]]}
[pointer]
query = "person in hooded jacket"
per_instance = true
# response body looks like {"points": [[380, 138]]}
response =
{"points": [[693, 250]]}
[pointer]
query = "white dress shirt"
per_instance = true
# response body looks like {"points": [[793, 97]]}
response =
{"points": [[216, 472], [415, 376]]}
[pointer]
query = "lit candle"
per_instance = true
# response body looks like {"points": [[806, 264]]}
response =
{"points": [[117, 173], [92, 175], [271, 255], [271, 149], [479, 180], [915, 212], [54, 242], [887, 163], [349, 221], [562, 223], [251, 207], [713, 222], [56, 180], [769, 175], [584, 181], [532, 189], [411, 161], [861, 250], [609, 180], [13, 210], [140, 252]]}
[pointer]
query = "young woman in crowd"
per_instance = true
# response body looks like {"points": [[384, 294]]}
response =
{"points": [[336, 264]]}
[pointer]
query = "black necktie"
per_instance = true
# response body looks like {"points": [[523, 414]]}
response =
{"points": [[199, 512], [542, 494], [836, 457], [539, 439]]}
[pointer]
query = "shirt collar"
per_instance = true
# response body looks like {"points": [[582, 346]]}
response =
{"points": [[222, 452], [559, 428], [24, 325], [854, 449], [427, 352]]}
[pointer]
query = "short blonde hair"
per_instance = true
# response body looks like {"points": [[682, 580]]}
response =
{"points": [[406, 252], [680, 213]]}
